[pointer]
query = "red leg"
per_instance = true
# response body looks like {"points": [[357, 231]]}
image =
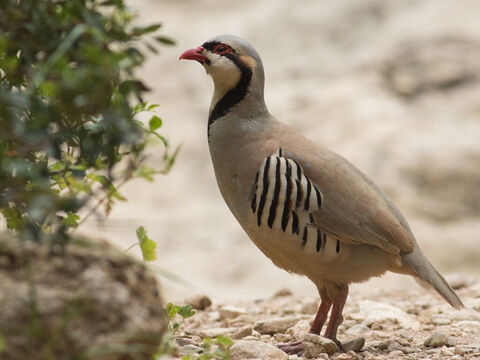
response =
{"points": [[336, 317], [322, 313]]}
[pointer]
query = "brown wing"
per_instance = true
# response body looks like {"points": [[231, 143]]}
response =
{"points": [[353, 209]]}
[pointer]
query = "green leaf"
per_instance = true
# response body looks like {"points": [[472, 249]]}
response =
{"points": [[154, 123], [145, 172], [13, 218], [172, 310], [164, 40], [141, 30], [147, 245], [186, 311], [71, 220]]}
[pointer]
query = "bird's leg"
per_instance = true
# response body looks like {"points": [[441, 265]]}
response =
{"points": [[322, 313], [336, 317]]}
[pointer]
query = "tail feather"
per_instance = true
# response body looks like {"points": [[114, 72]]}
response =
{"points": [[426, 272]]}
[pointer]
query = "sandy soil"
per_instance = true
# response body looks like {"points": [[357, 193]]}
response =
{"points": [[391, 85]]}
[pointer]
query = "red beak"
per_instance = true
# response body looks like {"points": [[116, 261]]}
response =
{"points": [[194, 54]]}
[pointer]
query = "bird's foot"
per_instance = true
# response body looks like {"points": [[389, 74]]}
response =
{"points": [[291, 348]]}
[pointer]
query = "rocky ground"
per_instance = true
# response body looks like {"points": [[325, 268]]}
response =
{"points": [[411, 324]]}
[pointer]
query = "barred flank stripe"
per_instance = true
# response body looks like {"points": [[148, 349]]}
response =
{"points": [[305, 236], [319, 240], [264, 191], [307, 197], [319, 197], [276, 192], [295, 229], [324, 239], [254, 200], [338, 246], [298, 182], [287, 205]]}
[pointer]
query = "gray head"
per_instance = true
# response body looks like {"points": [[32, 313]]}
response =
{"points": [[237, 73]]}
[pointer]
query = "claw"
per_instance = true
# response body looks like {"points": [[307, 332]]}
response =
{"points": [[292, 348]]}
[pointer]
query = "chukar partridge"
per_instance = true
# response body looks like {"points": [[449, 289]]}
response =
{"points": [[308, 209]]}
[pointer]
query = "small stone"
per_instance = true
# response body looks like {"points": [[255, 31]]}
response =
{"points": [[358, 329], [410, 350], [282, 292], [459, 350], [351, 355], [378, 344], [232, 332], [394, 346], [380, 313], [314, 345], [230, 312], [451, 342], [199, 302], [376, 326], [354, 345], [242, 350], [299, 330], [445, 351], [395, 354], [183, 340], [401, 341], [440, 319], [275, 325], [189, 349], [282, 338], [435, 340]]}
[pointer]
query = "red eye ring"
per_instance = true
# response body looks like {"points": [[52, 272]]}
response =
{"points": [[222, 49]]}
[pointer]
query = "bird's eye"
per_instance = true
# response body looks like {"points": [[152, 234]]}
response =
{"points": [[222, 49]]}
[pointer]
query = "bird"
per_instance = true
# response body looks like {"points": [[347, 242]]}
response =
{"points": [[308, 209]]}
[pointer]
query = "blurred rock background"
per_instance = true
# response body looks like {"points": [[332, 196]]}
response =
{"points": [[392, 85]]}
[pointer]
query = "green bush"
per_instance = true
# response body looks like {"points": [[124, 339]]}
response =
{"points": [[69, 97]]}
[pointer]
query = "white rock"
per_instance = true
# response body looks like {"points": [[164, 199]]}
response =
{"points": [[314, 345], [459, 350], [230, 312], [299, 330], [375, 312], [246, 350], [440, 319], [359, 329], [275, 325], [233, 332], [436, 340]]}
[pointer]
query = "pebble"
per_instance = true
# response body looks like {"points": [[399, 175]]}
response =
{"points": [[354, 345], [182, 341], [314, 345], [395, 354], [401, 341], [440, 319], [358, 330], [283, 292], [275, 325], [299, 330], [378, 344], [459, 350], [445, 351], [376, 326], [199, 302], [451, 342], [243, 349], [376, 312], [189, 349], [230, 312], [350, 355], [232, 332], [435, 340], [282, 338], [394, 346]]}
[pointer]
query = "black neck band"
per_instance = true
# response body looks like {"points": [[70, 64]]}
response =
{"points": [[233, 96]]}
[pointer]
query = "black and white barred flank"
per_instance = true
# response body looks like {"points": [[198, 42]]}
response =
{"points": [[284, 198]]}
